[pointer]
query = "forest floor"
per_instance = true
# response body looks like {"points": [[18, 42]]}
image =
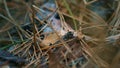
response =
{"points": [[59, 33]]}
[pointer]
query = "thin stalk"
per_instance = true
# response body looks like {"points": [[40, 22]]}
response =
{"points": [[70, 12], [10, 37]]}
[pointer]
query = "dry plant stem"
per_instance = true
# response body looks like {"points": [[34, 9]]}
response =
{"points": [[86, 12], [10, 37], [6, 27], [27, 66], [26, 50], [65, 25], [97, 26], [11, 20], [35, 52], [101, 63], [39, 55], [20, 45], [87, 3], [37, 32], [110, 19], [43, 28], [22, 49], [108, 39], [72, 17], [51, 14], [116, 20], [29, 54], [114, 37], [33, 61], [19, 34], [26, 16], [70, 12], [38, 10], [57, 45], [32, 57], [38, 45], [33, 22], [9, 15]]}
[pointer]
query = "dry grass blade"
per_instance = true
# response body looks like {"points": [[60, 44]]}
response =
{"points": [[6, 27], [10, 37], [115, 21], [11, 19], [87, 3], [93, 56]]}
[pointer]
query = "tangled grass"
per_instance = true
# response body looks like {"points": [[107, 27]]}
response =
{"points": [[62, 33]]}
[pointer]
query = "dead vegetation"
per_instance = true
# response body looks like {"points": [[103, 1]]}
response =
{"points": [[60, 33]]}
